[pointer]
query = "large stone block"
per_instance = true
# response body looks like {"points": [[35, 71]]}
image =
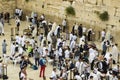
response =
{"points": [[92, 1]]}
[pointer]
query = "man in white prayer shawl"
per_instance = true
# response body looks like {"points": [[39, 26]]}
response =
{"points": [[77, 77], [34, 33], [32, 42], [71, 37], [81, 42], [76, 27], [12, 49], [72, 45], [17, 38], [91, 55], [81, 67], [54, 26], [56, 30], [49, 36], [58, 41], [108, 56], [22, 41], [95, 76], [77, 64], [20, 50], [51, 32], [74, 37], [67, 53], [42, 43], [115, 52], [1, 28]]}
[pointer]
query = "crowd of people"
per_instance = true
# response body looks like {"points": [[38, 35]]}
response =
{"points": [[76, 51]]}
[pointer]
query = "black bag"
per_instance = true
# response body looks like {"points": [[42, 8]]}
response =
{"points": [[5, 77]]}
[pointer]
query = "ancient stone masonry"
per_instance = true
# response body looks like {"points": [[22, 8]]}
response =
{"points": [[7, 6], [85, 9]]}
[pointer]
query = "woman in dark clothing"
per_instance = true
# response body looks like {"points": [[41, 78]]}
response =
{"points": [[80, 30]]}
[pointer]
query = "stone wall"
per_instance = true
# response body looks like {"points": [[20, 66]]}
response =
{"points": [[7, 6], [85, 11]]}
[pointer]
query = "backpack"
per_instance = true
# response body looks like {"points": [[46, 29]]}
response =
{"points": [[41, 62], [5, 77], [34, 67]]}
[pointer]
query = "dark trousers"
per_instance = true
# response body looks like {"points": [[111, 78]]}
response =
{"points": [[103, 53], [92, 65], [103, 38], [37, 61], [64, 28]]}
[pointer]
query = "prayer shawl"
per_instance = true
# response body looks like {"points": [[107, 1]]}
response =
{"points": [[1, 28], [115, 53]]}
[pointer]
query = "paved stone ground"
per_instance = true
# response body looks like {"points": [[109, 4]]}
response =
{"points": [[13, 71]]}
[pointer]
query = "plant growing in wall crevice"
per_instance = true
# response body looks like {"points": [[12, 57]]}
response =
{"points": [[26, 0], [70, 11], [102, 16]]}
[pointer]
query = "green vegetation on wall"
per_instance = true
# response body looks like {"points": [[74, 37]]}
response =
{"points": [[27, 0], [70, 11], [103, 16]]}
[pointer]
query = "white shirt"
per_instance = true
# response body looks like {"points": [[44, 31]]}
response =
{"points": [[67, 54], [1, 66], [49, 47], [107, 56], [54, 76], [64, 23], [76, 27], [44, 52], [103, 34], [44, 22], [77, 64], [20, 50], [95, 77], [20, 40], [32, 41], [58, 41], [17, 21], [71, 36], [16, 10], [56, 30], [42, 17], [23, 41], [81, 42], [74, 37], [81, 68], [84, 29], [17, 39], [20, 12], [60, 52], [91, 55], [12, 49], [72, 45]]}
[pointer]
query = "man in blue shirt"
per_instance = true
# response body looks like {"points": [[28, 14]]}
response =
{"points": [[42, 63]]}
